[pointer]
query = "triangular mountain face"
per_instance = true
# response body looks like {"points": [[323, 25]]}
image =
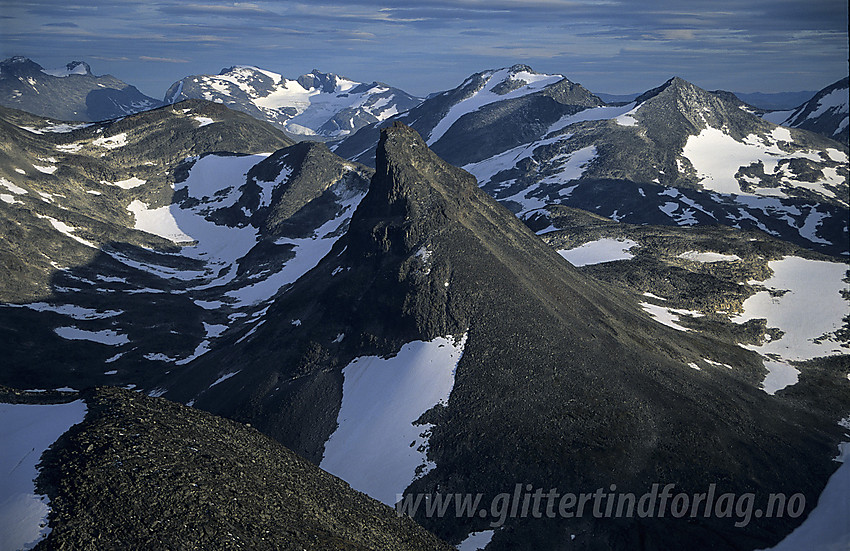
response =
{"points": [[131, 246], [827, 113], [145, 473], [316, 105], [489, 113], [441, 347], [71, 93]]}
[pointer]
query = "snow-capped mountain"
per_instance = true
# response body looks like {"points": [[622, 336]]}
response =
{"points": [[489, 113], [70, 93], [405, 331], [677, 155], [317, 104], [827, 113]]}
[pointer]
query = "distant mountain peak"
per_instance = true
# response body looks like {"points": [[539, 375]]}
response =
{"points": [[673, 84], [317, 104], [71, 92]]}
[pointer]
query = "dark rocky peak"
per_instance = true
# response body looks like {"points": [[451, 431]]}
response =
{"points": [[413, 192], [316, 79], [19, 66], [310, 170], [77, 67], [677, 106], [673, 85]]}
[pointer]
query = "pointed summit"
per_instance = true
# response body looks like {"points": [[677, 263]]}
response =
{"points": [[563, 381]]}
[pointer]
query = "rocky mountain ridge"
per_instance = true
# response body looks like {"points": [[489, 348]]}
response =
{"points": [[315, 106], [827, 113], [72, 93], [656, 160]]}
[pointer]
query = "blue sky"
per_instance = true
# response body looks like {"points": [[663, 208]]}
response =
{"points": [[608, 45]]}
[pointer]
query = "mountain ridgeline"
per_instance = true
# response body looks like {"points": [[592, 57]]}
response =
{"points": [[563, 381], [315, 106], [416, 328], [71, 93], [651, 161]]}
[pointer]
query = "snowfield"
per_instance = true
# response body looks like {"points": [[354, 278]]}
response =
{"points": [[599, 251], [717, 157], [381, 399], [807, 313], [485, 96], [26, 431]]}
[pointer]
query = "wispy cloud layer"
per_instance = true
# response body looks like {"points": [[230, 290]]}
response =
{"points": [[608, 45]]}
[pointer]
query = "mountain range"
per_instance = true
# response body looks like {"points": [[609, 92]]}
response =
{"points": [[70, 93], [418, 328], [654, 160], [317, 105]]}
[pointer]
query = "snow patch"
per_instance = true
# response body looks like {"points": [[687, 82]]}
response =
{"points": [[697, 256], [668, 316], [105, 336], [476, 541], [599, 251], [807, 314], [376, 448], [129, 183], [26, 431], [159, 221], [111, 142]]}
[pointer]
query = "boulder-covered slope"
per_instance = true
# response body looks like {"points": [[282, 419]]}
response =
{"points": [[145, 473]]}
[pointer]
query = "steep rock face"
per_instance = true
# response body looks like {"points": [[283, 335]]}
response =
{"points": [[317, 105], [827, 113], [72, 93], [564, 382], [143, 472]]}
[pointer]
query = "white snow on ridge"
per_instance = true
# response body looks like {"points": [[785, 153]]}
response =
{"points": [[381, 398], [835, 102], [62, 72], [485, 96], [599, 251], [806, 312], [592, 114], [697, 256], [313, 106], [26, 431]]}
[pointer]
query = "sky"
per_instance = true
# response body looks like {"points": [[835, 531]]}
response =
{"points": [[608, 46]]}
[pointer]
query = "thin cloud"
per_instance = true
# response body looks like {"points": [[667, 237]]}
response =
{"points": [[162, 59]]}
